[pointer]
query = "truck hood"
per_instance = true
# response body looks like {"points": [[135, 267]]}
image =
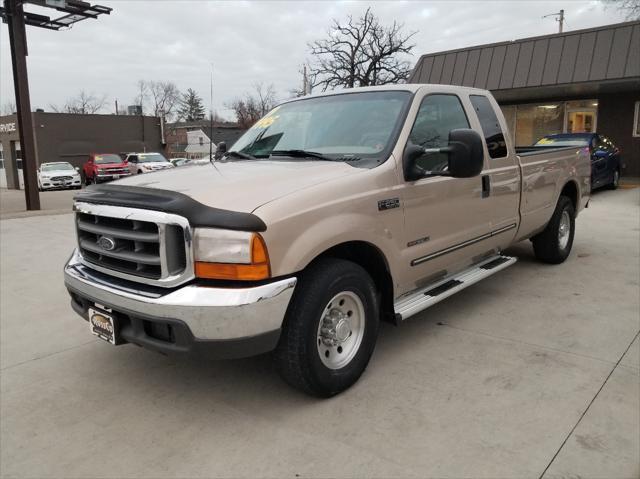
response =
{"points": [[58, 173], [241, 185]]}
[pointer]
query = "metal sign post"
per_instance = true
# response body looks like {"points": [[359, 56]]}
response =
{"points": [[16, 18], [18, 41]]}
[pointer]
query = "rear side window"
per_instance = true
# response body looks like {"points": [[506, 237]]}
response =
{"points": [[438, 115], [491, 129]]}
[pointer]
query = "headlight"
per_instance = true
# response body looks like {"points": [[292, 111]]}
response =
{"points": [[226, 254]]}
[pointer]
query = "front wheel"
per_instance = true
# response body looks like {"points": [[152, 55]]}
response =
{"points": [[554, 244], [330, 329]]}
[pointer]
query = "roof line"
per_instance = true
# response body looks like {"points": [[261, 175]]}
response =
{"points": [[540, 37]]}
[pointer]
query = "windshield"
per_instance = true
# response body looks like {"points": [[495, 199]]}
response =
{"points": [[56, 167], [563, 141], [151, 158], [107, 159], [344, 127]]}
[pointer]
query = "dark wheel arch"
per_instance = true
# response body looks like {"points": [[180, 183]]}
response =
{"points": [[374, 262]]}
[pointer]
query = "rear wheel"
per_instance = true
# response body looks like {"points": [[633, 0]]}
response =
{"points": [[330, 328], [554, 244]]}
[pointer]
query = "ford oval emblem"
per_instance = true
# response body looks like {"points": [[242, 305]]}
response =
{"points": [[106, 243]]}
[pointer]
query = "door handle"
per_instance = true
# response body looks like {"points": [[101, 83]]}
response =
{"points": [[486, 186]]}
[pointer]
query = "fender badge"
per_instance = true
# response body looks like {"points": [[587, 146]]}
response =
{"points": [[388, 204]]}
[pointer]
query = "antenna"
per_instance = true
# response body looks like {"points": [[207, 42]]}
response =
{"points": [[211, 118], [559, 18]]}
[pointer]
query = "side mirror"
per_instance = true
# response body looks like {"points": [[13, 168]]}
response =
{"points": [[465, 157], [221, 149], [77, 168]]}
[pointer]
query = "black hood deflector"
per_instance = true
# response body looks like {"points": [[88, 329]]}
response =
{"points": [[170, 202]]}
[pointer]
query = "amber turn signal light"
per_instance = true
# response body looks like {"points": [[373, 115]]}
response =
{"points": [[258, 269]]}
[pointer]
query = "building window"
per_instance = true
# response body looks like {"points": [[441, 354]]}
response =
{"points": [[581, 116], [636, 120], [535, 121]]}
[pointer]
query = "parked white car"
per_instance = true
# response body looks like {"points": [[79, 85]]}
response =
{"points": [[147, 162], [58, 175]]}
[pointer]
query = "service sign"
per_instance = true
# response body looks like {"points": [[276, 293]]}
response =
{"points": [[7, 127]]}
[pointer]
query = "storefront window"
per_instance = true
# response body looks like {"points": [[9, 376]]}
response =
{"points": [[530, 122], [581, 116], [535, 121], [18, 155], [509, 113]]}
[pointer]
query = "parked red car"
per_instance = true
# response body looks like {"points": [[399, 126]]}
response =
{"points": [[104, 167]]}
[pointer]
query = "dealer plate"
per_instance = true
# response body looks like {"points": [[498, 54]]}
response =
{"points": [[102, 325]]}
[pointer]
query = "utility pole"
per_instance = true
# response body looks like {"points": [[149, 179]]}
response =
{"points": [[559, 18], [18, 43]]}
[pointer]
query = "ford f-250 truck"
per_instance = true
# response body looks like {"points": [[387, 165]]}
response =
{"points": [[332, 213]]}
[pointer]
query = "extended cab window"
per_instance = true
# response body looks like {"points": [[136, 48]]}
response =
{"points": [[438, 115], [491, 129]]}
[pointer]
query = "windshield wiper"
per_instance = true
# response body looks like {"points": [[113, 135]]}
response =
{"points": [[302, 154], [239, 154]]}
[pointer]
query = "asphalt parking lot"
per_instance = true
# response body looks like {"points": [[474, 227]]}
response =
{"points": [[534, 372]]}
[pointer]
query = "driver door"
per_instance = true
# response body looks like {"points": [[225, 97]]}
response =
{"points": [[444, 216]]}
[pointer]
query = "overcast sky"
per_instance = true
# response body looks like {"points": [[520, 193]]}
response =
{"points": [[249, 42]]}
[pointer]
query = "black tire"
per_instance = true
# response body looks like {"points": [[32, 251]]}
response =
{"points": [[297, 355], [547, 245], [616, 180]]}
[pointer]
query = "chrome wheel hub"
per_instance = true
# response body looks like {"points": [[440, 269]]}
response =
{"points": [[340, 330], [564, 230]]}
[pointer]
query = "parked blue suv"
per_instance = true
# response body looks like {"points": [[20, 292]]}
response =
{"points": [[606, 161]]}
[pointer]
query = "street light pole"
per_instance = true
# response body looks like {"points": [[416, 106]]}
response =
{"points": [[18, 44]]}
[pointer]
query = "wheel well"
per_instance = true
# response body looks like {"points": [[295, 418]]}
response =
{"points": [[373, 261], [570, 190]]}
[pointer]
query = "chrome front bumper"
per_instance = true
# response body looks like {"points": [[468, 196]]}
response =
{"points": [[210, 313]]}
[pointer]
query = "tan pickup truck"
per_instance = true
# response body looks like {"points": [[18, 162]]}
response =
{"points": [[332, 213]]}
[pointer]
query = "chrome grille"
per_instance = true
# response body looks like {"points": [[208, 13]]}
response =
{"points": [[62, 178], [125, 243], [113, 171]]}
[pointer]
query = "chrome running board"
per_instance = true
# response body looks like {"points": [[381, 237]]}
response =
{"points": [[421, 299]]}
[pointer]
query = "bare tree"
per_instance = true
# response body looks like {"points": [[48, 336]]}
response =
{"points": [[630, 7], [254, 105], [82, 104], [165, 97], [142, 93], [9, 108], [361, 52]]}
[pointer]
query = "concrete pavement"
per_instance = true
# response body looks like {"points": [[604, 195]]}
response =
{"points": [[12, 203], [533, 372]]}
